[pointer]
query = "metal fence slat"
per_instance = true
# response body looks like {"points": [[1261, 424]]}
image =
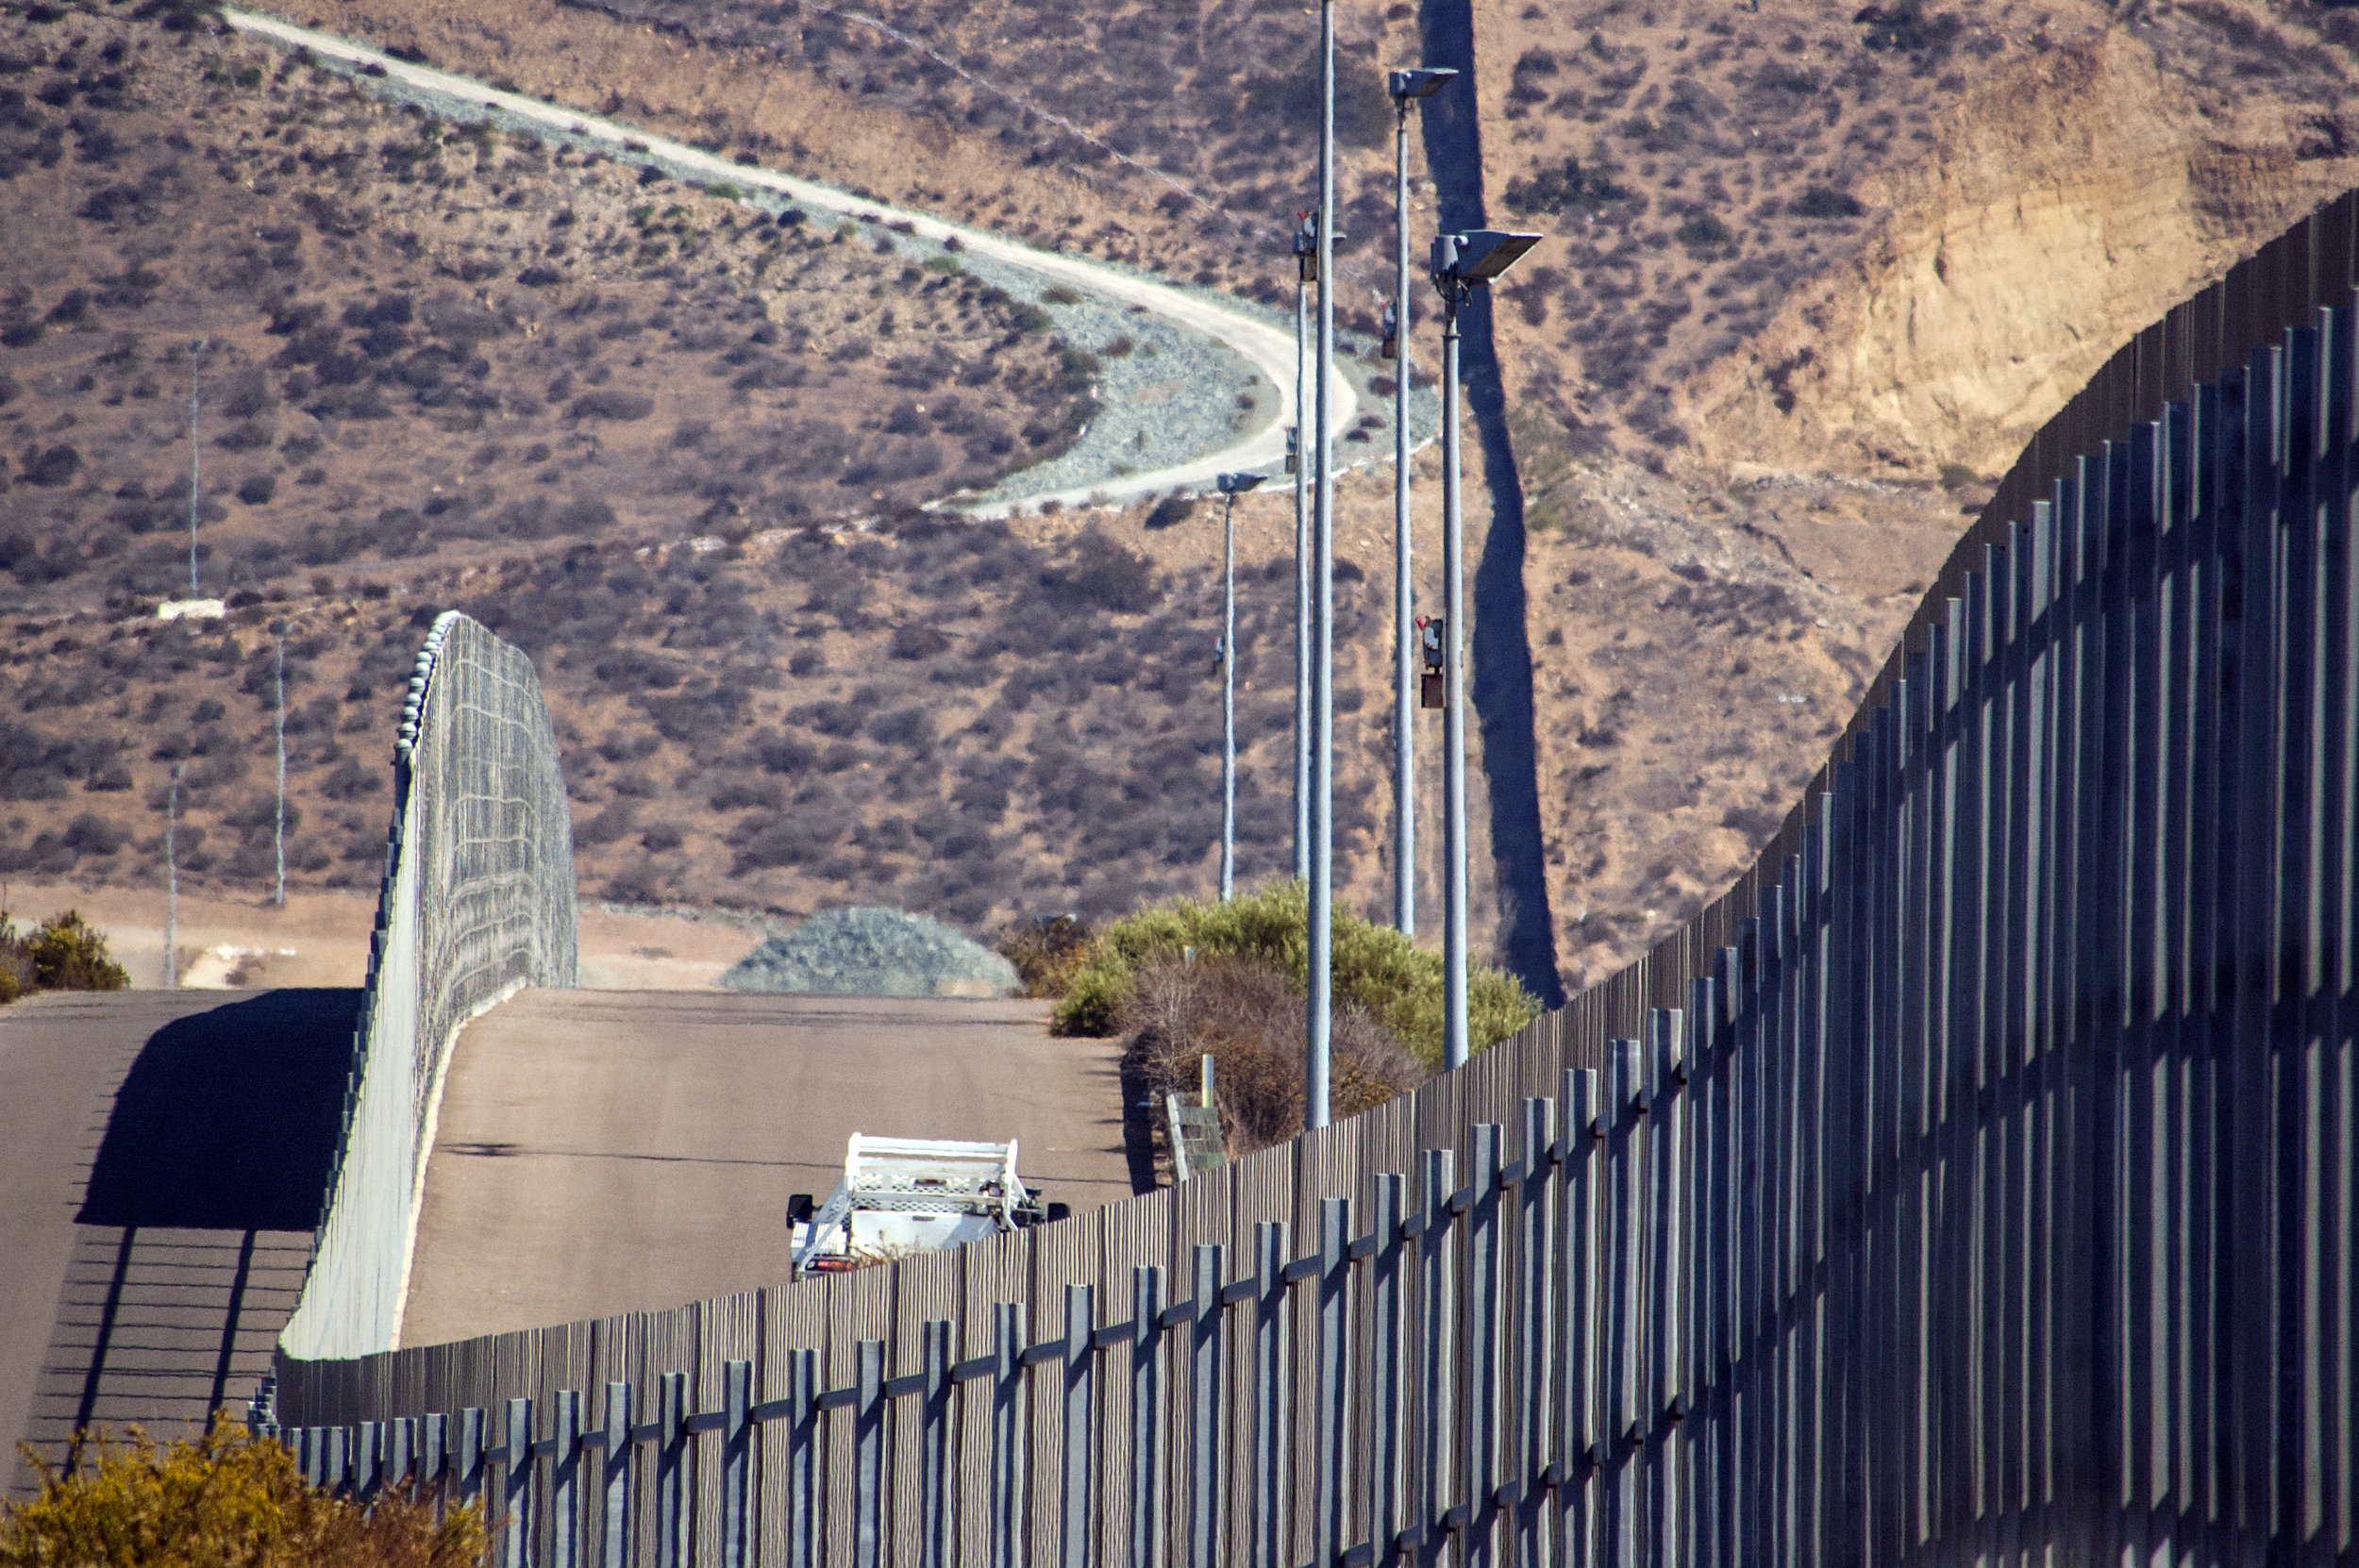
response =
{"points": [[1438, 1352], [868, 1455], [516, 1489], [565, 1481], [1388, 1367], [1147, 1462], [1332, 1413], [617, 1461], [1273, 1382]]}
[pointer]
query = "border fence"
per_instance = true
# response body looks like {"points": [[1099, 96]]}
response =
{"points": [[476, 900], [1975, 1181]]}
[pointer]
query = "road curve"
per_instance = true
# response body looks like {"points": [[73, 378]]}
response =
{"points": [[1269, 350]]}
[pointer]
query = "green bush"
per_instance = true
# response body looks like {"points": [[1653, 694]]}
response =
{"points": [[1048, 952], [1374, 967], [64, 954]]}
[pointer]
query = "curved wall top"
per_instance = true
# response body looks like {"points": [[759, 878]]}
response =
{"points": [[477, 901]]}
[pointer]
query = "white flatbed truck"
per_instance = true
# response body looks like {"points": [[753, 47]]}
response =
{"points": [[906, 1195]]}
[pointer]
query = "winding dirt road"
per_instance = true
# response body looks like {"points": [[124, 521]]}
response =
{"points": [[1269, 350]]}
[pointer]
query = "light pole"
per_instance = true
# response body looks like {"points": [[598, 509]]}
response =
{"points": [[172, 879], [1319, 1006], [278, 830], [1406, 88], [1306, 273], [278, 834], [1462, 263], [196, 349], [1232, 486]]}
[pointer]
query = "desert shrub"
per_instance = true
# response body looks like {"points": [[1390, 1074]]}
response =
{"points": [[55, 466], [640, 670], [92, 834], [614, 822], [1171, 512], [66, 953], [780, 841], [779, 753], [703, 712], [1374, 967], [916, 639], [1824, 201], [902, 727], [1103, 576], [350, 780], [828, 717], [1557, 186], [1702, 230], [742, 794], [1048, 950], [611, 402], [1242, 1012], [223, 1497]]}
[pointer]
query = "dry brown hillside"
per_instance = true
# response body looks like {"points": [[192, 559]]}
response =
{"points": [[982, 720], [1891, 242], [430, 342], [1814, 274]]}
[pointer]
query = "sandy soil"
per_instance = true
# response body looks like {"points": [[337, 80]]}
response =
{"points": [[322, 938]]}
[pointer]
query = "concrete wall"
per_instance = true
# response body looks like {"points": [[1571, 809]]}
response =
{"points": [[478, 902]]}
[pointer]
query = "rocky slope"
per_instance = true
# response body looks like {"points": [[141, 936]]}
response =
{"points": [[424, 340], [1814, 274]]}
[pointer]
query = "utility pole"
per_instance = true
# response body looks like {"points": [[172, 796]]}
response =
{"points": [[172, 881], [1320, 1004], [280, 832], [195, 350], [1306, 273], [1405, 88]]}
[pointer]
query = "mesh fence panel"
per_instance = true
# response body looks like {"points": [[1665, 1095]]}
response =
{"points": [[477, 901]]}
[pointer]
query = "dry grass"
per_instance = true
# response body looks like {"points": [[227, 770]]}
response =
{"points": [[1243, 1014]]}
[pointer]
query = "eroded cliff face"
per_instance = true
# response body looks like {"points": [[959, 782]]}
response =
{"points": [[2069, 204]]}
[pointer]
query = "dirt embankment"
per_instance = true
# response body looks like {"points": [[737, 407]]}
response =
{"points": [[2068, 204]]}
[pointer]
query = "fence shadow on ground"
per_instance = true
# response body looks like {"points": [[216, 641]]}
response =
{"points": [[195, 1221], [229, 1119]]}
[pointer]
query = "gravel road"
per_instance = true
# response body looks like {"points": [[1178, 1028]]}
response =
{"points": [[1207, 388]]}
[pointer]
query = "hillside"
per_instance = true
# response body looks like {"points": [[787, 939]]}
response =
{"points": [[432, 343], [1812, 276]]}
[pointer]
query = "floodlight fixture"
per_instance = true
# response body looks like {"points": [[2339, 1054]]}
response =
{"points": [[1406, 86], [1478, 256], [1237, 484]]}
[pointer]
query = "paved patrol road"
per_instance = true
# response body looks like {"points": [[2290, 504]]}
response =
{"points": [[161, 1158], [606, 1151]]}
